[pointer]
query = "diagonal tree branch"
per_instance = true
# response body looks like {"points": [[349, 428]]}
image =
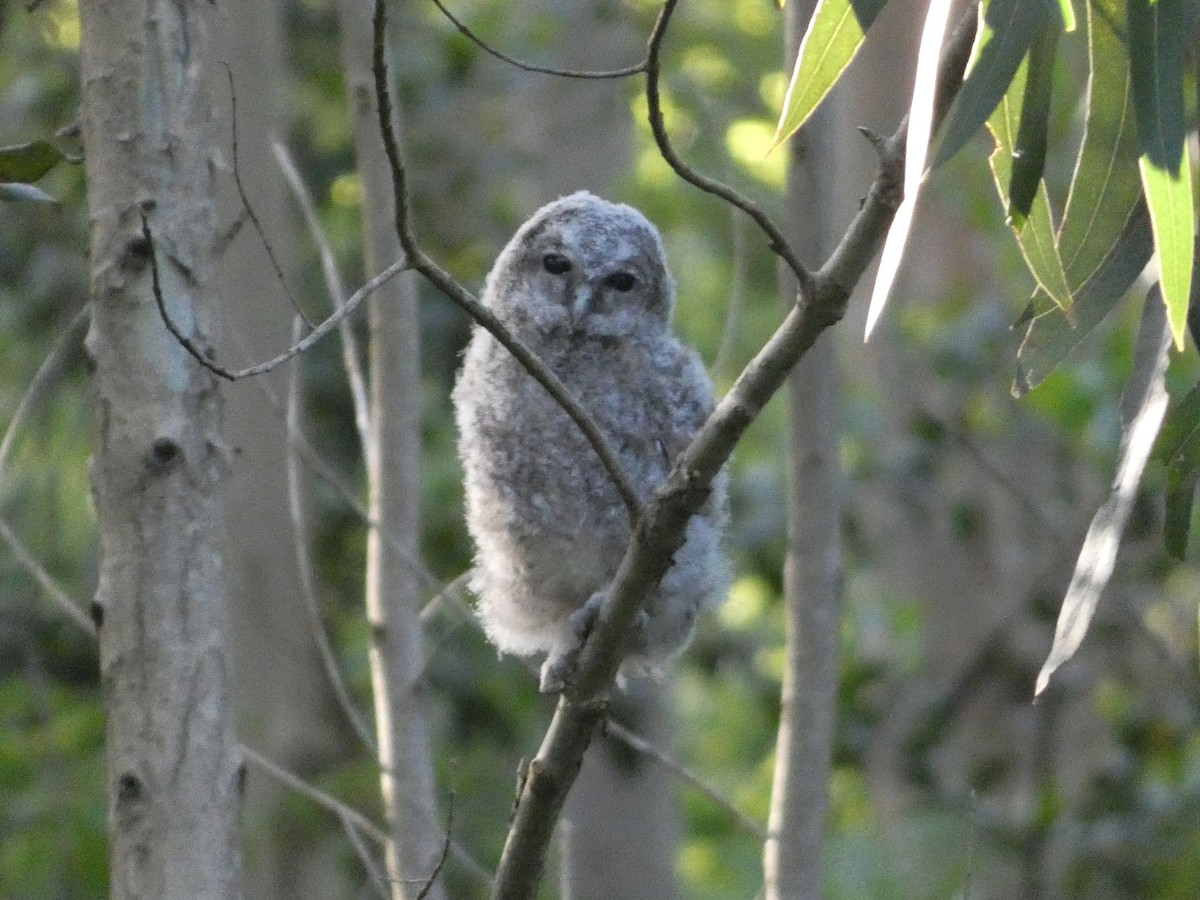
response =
{"points": [[660, 529], [484, 317]]}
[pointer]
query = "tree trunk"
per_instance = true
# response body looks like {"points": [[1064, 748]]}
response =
{"points": [[812, 575], [174, 773], [394, 487], [284, 702]]}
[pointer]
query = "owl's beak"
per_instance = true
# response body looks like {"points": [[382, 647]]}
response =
{"points": [[581, 304]]}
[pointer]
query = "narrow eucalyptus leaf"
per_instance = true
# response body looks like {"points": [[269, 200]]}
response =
{"points": [[1009, 27], [26, 163], [24, 193], [834, 34], [1029, 151]]}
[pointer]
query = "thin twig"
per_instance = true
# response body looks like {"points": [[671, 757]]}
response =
{"points": [[378, 881], [304, 565], [336, 287], [777, 241], [437, 869], [636, 742], [533, 67], [249, 207], [737, 295], [659, 531], [318, 796], [203, 357], [45, 370], [483, 316], [45, 579]]}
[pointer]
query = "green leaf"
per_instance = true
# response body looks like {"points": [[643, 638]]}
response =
{"points": [[1051, 334], [1009, 27], [1180, 499], [1029, 152], [1180, 432], [26, 163], [1103, 189], [1170, 202], [1067, 12], [834, 34], [1156, 30], [1036, 237], [24, 193]]}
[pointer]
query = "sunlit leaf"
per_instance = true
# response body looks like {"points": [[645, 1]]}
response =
{"points": [[1156, 30], [24, 193], [1029, 151], [1067, 12], [834, 34], [26, 163], [1009, 27], [920, 128], [1104, 189], [1036, 238], [1144, 405], [1051, 335]]}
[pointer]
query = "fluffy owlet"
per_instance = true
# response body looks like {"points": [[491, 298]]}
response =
{"points": [[584, 284]]}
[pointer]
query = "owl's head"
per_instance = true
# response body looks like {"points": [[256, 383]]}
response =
{"points": [[584, 266]]}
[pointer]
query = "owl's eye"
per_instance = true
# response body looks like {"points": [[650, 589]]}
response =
{"points": [[621, 281], [556, 264]]}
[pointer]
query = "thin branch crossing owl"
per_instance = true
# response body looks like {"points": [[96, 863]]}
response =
{"points": [[584, 284]]}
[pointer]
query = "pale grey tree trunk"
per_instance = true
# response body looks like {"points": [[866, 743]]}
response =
{"points": [[394, 488], [173, 772], [812, 575], [284, 703]]}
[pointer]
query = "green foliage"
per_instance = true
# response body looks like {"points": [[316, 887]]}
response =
{"points": [[834, 34]]}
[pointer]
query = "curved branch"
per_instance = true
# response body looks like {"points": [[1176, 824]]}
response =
{"points": [[533, 67], [660, 529], [484, 317], [778, 242], [202, 356]]}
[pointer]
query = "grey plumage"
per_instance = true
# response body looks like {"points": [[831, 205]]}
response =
{"points": [[584, 284]]}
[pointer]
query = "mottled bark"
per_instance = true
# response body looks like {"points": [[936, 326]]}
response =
{"points": [[174, 773]]}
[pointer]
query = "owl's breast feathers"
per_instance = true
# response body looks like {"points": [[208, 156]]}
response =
{"points": [[648, 399]]}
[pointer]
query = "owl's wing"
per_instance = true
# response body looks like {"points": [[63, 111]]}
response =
{"points": [[689, 401]]}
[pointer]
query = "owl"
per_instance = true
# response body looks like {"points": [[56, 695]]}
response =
{"points": [[584, 284]]}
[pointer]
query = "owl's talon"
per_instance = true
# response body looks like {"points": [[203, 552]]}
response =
{"points": [[560, 664]]}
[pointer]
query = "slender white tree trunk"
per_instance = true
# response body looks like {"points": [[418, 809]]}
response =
{"points": [[394, 487], [285, 708], [174, 774], [812, 576]]}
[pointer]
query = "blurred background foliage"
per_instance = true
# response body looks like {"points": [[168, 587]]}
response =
{"points": [[1093, 793]]}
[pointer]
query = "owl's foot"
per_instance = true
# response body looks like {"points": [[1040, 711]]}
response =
{"points": [[560, 663]]}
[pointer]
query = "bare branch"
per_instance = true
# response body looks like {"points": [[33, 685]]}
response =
{"points": [[304, 565], [249, 207], [659, 531], [321, 798], [483, 316], [618, 732], [45, 370], [532, 67], [64, 600], [336, 287], [778, 242], [437, 869], [203, 357]]}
